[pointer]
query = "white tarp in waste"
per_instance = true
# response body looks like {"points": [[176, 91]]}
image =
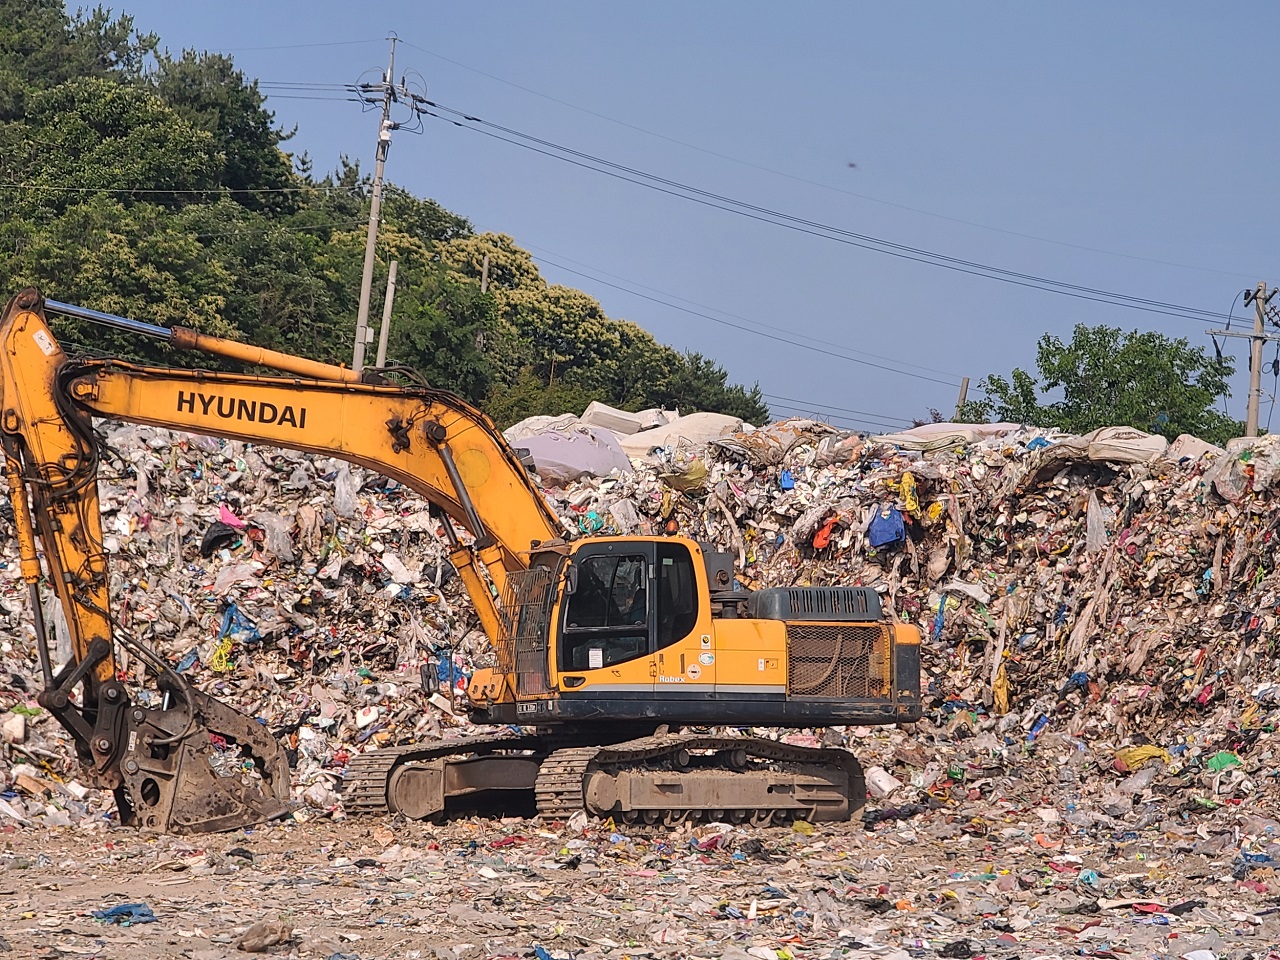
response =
{"points": [[696, 428], [624, 422], [1192, 448], [562, 456], [939, 436], [532, 426]]}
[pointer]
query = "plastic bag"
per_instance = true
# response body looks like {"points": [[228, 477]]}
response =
{"points": [[277, 541], [886, 528], [56, 621], [345, 488], [299, 479], [1095, 537]]}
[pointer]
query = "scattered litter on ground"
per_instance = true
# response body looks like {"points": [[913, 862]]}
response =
{"points": [[1094, 772]]}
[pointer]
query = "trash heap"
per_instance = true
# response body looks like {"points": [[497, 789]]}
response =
{"points": [[1106, 603]]}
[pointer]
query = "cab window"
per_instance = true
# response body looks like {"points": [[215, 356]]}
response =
{"points": [[677, 594], [607, 618]]}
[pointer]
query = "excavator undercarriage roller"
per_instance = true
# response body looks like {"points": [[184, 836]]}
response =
{"points": [[655, 780]]}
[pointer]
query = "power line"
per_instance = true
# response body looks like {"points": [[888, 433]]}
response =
{"points": [[298, 96], [815, 228], [735, 316], [745, 329], [34, 187], [817, 183], [270, 228], [813, 414], [300, 46], [789, 218], [827, 406]]}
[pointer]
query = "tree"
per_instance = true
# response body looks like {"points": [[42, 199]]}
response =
{"points": [[207, 91], [1107, 377], [95, 134], [280, 296], [42, 46], [134, 261], [439, 329], [423, 218], [699, 383]]}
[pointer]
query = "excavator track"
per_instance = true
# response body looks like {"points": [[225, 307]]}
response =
{"points": [[669, 778], [674, 778], [560, 779], [365, 788]]}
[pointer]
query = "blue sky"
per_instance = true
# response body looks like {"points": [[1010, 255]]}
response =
{"points": [[1129, 148]]}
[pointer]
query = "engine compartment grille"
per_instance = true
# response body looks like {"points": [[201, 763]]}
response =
{"points": [[839, 660]]}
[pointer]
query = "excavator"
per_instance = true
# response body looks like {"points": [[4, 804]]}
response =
{"points": [[624, 668]]}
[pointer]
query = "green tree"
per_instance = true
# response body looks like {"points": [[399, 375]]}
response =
{"points": [[1107, 377], [439, 329], [41, 47], [280, 296], [421, 218], [207, 91], [95, 134], [699, 383], [531, 396], [135, 261]]}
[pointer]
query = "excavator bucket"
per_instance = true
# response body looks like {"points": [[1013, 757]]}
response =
{"points": [[199, 767]]}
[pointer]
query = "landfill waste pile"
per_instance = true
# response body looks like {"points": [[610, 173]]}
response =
{"points": [[1095, 773]]}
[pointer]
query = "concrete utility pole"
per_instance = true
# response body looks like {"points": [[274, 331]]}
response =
{"points": [[386, 313], [389, 94], [1259, 298], [964, 395], [1255, 359]]}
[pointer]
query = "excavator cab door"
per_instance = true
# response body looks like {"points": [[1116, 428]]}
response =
{"points": [[608, 625]]}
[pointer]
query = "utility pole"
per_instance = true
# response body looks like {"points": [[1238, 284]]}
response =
{"points": [[1260, 298], [964, 395], [1255, 359], [386, 313], [484, 275], [389, 94]]}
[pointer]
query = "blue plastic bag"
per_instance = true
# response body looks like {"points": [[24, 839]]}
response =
{"points": [[886, 528]]}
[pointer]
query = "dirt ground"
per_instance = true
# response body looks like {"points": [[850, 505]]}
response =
{"points": [[935, 885]]}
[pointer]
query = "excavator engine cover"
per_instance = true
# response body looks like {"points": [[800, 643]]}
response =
{"points": [[200, 767]]}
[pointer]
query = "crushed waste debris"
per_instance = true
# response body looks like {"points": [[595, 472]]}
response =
{"points": [[1095, 773]]}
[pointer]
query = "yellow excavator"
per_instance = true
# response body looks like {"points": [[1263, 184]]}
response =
{"points": [[624, 662]]}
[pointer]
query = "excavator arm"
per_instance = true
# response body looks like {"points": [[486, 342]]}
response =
{"points": [[165, 761]]}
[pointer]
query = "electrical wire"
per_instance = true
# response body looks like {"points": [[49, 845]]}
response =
{"points": [[754, 323], [810, 227], [1217, 348], [1275, 386], [788, 218], [300, 46], [34, 187], [247, 228], [817, 183], [828, 417], [827, 406], [744, 328]]}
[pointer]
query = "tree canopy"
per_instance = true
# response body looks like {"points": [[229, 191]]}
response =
{"points": [[156, 185], [1107, 377]]}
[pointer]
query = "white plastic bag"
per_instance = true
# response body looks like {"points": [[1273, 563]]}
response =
{"points": [[345, 487]]}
